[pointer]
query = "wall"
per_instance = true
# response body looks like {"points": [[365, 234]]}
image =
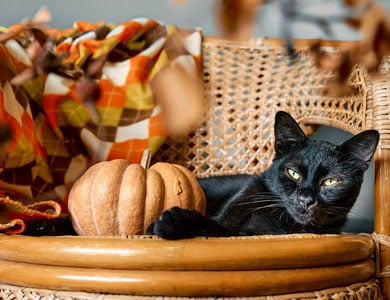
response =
{"points": [[192, 13]]}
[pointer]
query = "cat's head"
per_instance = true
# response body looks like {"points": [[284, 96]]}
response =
{"points": [[318, 181]]}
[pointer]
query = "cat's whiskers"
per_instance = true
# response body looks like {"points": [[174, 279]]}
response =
{"points": [[260, 195], [336, 210], [274, 211], [281, 217], [314, 224], [258, 198], [274, 205], [260, 201], [353, 213], [330, 214], [257, 201]]}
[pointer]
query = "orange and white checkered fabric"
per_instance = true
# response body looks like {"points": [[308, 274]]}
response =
{"points": [[55, 136]]}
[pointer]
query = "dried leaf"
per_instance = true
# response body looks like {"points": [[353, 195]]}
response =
{"points": [[353, 22], [70, 70], [337, 88], [328, 62], [345, 67], [339, 85], [87, 90], [23, 76], [5, 36], [94, 68], [34, 49], [374, 25], [181, 97], [42, 16], [49, 61], [237, 18], [39, 35], [371, 19], [325, 60]]}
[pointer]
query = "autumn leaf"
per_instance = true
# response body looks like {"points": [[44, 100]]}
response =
{"points": [[374, 25], [237, 18], [42, 16], [181, 97]]}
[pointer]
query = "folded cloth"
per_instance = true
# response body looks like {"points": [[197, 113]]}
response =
{"points": [[14, 213], [77, 96]]}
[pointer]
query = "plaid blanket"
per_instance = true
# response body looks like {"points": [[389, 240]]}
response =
{"points": [[89, 98]]}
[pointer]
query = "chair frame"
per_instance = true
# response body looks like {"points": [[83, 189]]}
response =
{"points": [[244, 82]]}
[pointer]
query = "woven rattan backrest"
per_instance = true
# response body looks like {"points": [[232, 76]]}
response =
{"points": [[246, 84]]}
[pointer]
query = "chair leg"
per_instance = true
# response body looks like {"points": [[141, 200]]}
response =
{"points": [[382, 220]]}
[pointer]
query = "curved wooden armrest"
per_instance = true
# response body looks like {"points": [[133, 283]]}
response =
{"points": [[237, 266]]}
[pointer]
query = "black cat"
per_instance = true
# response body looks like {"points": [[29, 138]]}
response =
{"points": [[309, 188]]}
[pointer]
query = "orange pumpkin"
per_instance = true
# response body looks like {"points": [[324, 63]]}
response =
{"points": [[115, 198]]}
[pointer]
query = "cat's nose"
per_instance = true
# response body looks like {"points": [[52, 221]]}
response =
{"points": [[305, 200]]}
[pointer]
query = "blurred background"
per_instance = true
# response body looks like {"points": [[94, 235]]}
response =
{"points": [[201, 14], [183, 13]]}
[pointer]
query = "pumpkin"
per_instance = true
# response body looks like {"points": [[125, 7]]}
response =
{"points": [[116, 198]]}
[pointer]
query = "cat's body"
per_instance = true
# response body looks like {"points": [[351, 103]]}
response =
{"points": [[310, 187]]}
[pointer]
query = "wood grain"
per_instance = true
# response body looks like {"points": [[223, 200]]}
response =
{"points": [[184, 283], [248, 253]]}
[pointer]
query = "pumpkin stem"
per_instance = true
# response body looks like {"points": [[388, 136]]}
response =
{"points": [[145, 161]]}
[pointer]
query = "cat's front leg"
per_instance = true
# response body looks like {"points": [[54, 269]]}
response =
{"points": [[178, 223]]}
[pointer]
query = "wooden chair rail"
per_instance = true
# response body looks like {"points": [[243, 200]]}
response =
{"points": [[245, 85]]}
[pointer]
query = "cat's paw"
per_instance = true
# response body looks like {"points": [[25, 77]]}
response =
{"points": [[175, 223]]}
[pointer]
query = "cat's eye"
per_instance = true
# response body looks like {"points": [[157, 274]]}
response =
{"points": [[293, 174], [330, 181]]}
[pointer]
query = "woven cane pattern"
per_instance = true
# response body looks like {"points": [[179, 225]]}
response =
{"points": [[366, 290], [246, 84], [381, 100]]}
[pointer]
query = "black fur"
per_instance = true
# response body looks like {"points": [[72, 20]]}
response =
{"points": [[273, 202]]}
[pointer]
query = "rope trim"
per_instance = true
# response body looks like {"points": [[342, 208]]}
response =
{"points": [[362, 290], [381, 240]]}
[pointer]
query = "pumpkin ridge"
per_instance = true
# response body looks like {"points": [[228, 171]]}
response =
{"points": [[154, 199], [79, 203], [90, 199], [132, 192], [104, 193], [75, 219]]}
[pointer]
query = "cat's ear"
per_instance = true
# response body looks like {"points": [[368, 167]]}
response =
{"points": [[361, 146], [288, 134]]}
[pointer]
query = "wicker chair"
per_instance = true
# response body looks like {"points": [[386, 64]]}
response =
{"points": [[245, 84]]}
